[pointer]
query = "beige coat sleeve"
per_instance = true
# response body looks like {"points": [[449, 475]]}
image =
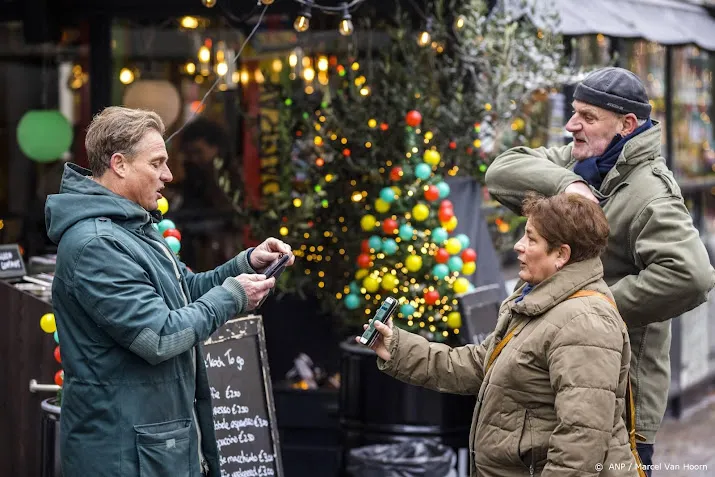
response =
{"points": [[436, 366], [584, 360], [521, 169]]}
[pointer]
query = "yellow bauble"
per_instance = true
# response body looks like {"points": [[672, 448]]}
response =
{"points": [[420, 212], [453, 246], [432, 157], [163, 205], [469, 268], [413, 263], [371, 284], [461, 285], [389, 281], [47, 323], [360, 274], [454, 320], [367, 222], [396, 190], [451, 224], [381, 206]]}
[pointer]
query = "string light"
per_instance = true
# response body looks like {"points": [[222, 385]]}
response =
{"points": [[209, 3], [346, 24], [302, 21]]}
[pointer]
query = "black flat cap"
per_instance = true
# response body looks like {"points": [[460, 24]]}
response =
{"points": [[615, 89]]}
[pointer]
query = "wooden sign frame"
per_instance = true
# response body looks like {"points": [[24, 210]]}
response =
{"points": [[246, 327]]}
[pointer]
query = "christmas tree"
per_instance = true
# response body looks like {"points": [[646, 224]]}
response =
{"points": [[410, 252]]}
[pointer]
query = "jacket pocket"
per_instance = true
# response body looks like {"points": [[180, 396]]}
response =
{"points": [[529, 448], [164, 449]]}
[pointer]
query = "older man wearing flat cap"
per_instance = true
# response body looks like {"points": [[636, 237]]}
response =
{"points": [[655, 265]]}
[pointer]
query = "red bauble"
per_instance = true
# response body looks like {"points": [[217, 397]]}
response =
{"points": [[441, 256], [413, 118], [58, 358], [453, 145], [172, 233], [389, 226], [432, 193], [469, 255], [363, 260], [446, 204], [59, 377], [445, 214], [431, 297], [365, 246], [396, 173]]}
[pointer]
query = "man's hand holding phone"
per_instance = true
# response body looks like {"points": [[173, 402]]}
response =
{"points": [[268, 252], [381, 346], [256, 287]]}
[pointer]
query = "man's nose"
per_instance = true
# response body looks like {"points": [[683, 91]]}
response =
{"points": [[166, 175], [573, 125]]}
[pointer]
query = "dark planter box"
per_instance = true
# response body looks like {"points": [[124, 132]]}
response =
{"points": [[376, 408], [309, 431]]}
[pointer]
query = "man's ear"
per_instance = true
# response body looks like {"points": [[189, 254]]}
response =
{"points": [[118, 163], [629, 124], [564, 255]]}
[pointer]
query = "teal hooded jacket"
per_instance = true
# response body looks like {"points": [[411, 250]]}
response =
{"points": [[131, 319]]}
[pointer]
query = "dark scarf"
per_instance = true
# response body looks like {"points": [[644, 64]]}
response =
{"points": [[525, 292], [594, 169]]}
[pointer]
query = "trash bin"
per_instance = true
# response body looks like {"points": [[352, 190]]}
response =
{"points": [[404, 459], [50, 438]]}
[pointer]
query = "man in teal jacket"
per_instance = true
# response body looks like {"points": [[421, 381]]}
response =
{"points": [[655, 265], [131, 317]]}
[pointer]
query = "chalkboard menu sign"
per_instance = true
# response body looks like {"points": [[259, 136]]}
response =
{"points": [[11, 263], [243, 408]]}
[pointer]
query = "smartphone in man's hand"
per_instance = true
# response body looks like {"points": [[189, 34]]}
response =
{"points": [[382, 314]]}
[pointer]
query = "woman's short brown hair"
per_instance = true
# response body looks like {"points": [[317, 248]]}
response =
{"points": [[569, 219], [117, 130]]}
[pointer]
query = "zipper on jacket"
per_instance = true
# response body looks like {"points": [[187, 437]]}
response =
{"points": [[202, 461], [531, 436]]}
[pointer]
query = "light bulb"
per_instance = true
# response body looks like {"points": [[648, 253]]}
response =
{"points": [[222, 68], [459, 22], [267, 2], [424, 39], [126, 76], [189, 22], [209, 3], [346, 27], [301, 23], [204, 54]]}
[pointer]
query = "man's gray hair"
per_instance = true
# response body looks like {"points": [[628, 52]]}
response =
{"points": [[117, 130]]}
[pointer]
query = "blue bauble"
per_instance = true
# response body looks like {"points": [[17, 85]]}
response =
{"points": [[443, 189], [423, 171], [440, 271], [352, 301], [389, 246], [165, 225], [57, 338], [375, 242], [407, 309], [464, 240], [439, 235], [455, 263], [354, 288], [173, 243], [387, 194], [406, 232], [471, 287]]}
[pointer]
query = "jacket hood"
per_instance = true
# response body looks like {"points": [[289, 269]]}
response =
{"points": [[82, 198], [558, 287]]}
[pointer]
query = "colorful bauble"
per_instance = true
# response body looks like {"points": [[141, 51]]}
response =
{"points": [[172, 233], [375, 243], [381, 206], [361, 273], [165, 225], [469, 255], [173, 244], [423, 171], [365, 246], [444, 189], [420, 212], [354, 288], [389, 246], [451, 224], [413, 263], [363, 260], [439, 235], [387, 194], [352, 301], [461, 285], [445, 213], [455, 264], [162, 205], [389, 282], [469, 268], [432, 193], [446, 204], [454, 320], [58, 357], [47, 323], [396, 173], [464, 240], [406, 232], [56, 337], [367, 222], [431, 297], [371, 284], [413, 118], [389, 226], [440, 271], [432, 157], [441, 256], [453, 246], [59, 377], [407, 309]]}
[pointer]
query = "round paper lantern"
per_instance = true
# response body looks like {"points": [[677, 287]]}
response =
{"points": [[159, 96], [44, 135]]}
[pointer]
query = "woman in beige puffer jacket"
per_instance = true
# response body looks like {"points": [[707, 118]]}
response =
{"points": [[551, 380]]}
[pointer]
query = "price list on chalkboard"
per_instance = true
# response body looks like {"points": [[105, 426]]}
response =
{"points": [[243, 408]]}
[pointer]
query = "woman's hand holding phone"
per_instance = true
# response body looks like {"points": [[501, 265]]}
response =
{"points": [[381, 346]]}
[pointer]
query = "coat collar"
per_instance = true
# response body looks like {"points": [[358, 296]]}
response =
{"points": [[557, 288]]}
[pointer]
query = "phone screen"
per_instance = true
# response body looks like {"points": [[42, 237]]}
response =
{"points": [[383, 314]]}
